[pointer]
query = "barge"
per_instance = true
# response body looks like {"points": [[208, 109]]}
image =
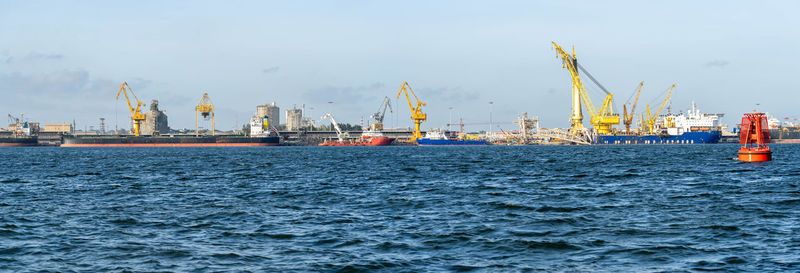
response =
{"points": [[168, 141]]}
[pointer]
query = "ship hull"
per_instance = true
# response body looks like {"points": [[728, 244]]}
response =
{"points": [[685, 138], [205, 141], [448, 142], [373, 141], [18, 141]]}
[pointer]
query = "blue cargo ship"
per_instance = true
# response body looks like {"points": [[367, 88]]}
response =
{"points": [[684, 138], [437, 137], [693, 127], [448, 142]]}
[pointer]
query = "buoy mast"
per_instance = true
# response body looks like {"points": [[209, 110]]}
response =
{"points": [[754, 136]]}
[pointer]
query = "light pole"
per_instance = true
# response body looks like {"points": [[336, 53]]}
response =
{"points": [[330, 103], [451, 118], [490, 116], [311, 117]]}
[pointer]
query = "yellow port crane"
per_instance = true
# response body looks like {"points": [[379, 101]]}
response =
{"points": [[135, 115], [651, 119], [205, 108], [627, 118], [601, 119], [416, 111]]}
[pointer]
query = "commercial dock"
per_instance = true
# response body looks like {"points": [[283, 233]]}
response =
{"points": [[264, 128]]}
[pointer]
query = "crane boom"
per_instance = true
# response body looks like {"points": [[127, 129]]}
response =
{"points": [[378, 115], [601, 119], [627, 118], [416, 111], [651, 119], [339, 134], [136, 116]]}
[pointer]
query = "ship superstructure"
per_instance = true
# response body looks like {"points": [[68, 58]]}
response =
{"points": [[692, 121]]}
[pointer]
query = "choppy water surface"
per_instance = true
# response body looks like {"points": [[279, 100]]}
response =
{"points": [[395, 209]]}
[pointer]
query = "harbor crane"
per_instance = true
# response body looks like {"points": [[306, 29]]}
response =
{"points": [[13, 120], [378, 116], [206, 109], [651, 119], [339, 134], [136, 116], [601, 119], [416, 111], [627, 118]]}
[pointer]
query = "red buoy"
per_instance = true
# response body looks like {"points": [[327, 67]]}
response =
{"points": [[754, 137]]}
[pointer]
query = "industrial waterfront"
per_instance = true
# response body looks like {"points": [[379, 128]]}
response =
{"points": [[399, 136], [654, 126], [393, 209], [152, 128]]}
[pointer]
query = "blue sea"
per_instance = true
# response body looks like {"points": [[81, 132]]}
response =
{"points": [[647, 208]]}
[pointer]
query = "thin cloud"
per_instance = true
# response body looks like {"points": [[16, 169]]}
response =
{"points": [[344, 93], [270, 70], [40, 56], [34, 57], [717, 63], [76, 83], [451, 94]]}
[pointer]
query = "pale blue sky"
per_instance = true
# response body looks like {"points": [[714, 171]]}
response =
{"points": [[61, 60]]}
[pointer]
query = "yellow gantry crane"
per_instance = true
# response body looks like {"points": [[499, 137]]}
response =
{"points": [[601, 119], [651, 119], [135, 115], [416, 111], [205, 108], [627, 118]]}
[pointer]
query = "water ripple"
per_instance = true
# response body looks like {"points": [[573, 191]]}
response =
{"points": [[679, 208]]}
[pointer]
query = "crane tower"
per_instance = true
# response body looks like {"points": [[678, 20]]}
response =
{"points": [[136, 115], [601, 119], [416, 111], [206, 109], [378, 116]]}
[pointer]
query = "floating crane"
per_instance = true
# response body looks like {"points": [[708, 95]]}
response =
{"points": [[378, 116], [416, 111], [651, 119], [601, 119], [627, 118], [205, 108], [339, 134], [136, 116]]}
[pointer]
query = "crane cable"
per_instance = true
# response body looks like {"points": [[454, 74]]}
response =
{"points": [[652, 101], [631, 96], [593, 79]]}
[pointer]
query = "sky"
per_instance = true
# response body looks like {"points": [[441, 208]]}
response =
{"points": [[64, 60]]}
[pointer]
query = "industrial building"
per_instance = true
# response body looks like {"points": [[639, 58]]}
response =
{"points": [[64, 128], [294, 119], [271, 111], [155, 121]]}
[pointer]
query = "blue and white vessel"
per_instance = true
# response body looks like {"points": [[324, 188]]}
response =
{"points": [[693, 127], [437, 137]]}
